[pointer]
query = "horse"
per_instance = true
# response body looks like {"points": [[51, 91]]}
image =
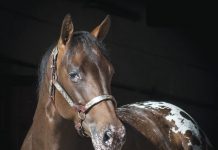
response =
{"points": [[164, 126], [75, 90]]}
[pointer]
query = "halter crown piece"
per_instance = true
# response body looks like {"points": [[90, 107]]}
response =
{"points": [[81, 109]]}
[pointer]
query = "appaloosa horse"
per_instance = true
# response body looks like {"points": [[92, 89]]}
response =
{"points": [[75, 86], [164, 126]]}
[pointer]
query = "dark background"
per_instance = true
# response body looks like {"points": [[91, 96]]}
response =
{"points": [[162, 50]]}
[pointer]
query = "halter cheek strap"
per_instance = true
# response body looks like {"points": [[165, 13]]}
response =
{"points": [[81, 109]]}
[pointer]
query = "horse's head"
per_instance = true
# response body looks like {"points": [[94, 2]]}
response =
{"points": [[84, 72]]}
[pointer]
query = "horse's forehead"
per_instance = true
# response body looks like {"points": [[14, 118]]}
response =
{"points": [[78, 55]]}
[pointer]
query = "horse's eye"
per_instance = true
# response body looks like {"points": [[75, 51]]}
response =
{"points": [[75, 76]]}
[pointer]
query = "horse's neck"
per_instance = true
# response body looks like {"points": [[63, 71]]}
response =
{"points": [[48, 127], [45, 107]]}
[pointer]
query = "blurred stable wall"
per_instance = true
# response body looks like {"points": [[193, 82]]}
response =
{"points": [[160, 50]]}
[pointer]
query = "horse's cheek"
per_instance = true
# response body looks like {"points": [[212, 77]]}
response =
{"points": [[64, 109]]}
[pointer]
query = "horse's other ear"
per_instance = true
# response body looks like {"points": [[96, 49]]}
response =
{"points": [[101, 30], [66, 30]]}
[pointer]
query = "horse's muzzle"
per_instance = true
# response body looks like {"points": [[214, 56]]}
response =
{"points": [[111, 138]]}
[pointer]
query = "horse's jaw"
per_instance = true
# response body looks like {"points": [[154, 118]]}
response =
{"points": [[116, 141]]}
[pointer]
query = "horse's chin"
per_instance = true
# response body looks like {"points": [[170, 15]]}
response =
{"points": [[100, 146]]}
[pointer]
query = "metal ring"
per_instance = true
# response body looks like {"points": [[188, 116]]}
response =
{"points": [[81, 115]]}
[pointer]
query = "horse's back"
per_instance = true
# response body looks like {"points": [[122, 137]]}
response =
{"points": [[165, 125]]}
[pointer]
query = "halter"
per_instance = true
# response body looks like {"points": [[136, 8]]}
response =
{"points": [[81, 109]]}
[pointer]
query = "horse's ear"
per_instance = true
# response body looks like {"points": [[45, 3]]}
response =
{"points": [[101, 30], [66, 30]]}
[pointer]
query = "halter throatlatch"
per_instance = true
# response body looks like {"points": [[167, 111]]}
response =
{"points": [[81, 109]]}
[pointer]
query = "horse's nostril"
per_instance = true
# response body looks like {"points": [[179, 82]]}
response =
{"points": [[107, 138]]}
